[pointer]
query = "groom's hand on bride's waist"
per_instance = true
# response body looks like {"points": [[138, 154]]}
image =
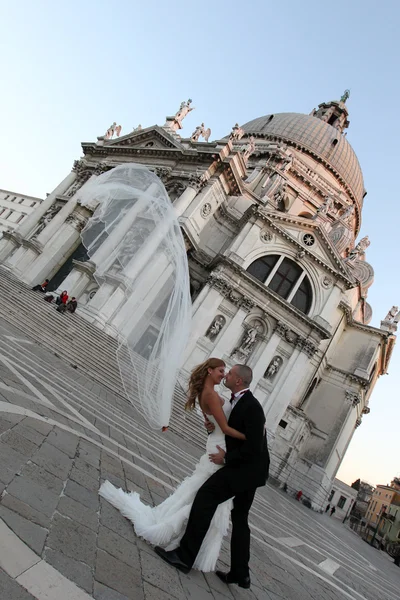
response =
{"points": [[219, 457]]}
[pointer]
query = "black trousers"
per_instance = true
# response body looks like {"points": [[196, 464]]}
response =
{"points": [[216, 490]]}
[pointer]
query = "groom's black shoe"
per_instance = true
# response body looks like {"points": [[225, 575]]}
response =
{"points": [[228, 578], [172, 559]]}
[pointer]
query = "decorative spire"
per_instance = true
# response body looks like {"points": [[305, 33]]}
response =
{"points": [[334, 113], [345, 96]]}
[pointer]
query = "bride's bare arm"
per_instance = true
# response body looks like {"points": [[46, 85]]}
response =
{"points": [[213, 403]]}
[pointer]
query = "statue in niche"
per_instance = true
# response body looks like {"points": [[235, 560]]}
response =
{"points": [[200, 131], [392, 315], [359, 249], [324, 208], [216, 327], [183, 111], [249, 339], [237, 132], [273, 367]]}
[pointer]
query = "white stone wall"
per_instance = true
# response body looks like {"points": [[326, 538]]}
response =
{"points": [[342, 491], [14, 207]]}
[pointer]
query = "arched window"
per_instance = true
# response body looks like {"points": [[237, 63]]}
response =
{"points": [[284, 277]]}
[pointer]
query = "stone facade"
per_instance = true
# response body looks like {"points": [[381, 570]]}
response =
{"points": [[14, 208], [270, 217]]}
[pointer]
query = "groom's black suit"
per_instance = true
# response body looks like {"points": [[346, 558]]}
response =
{"points": [[246, 469]]}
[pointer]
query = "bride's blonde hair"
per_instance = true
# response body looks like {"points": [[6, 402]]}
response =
{"points": [[197, 379]]}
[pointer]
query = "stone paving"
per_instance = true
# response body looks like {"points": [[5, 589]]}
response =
{"points": [[62, 434]]}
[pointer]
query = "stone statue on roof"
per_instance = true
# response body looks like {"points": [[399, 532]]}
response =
{"points": [[359, 249], [184, 110], [200, 131]]}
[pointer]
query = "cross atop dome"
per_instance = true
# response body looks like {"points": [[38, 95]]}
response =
{"points": [[334, 113]]}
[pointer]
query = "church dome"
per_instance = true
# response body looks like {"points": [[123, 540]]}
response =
{"points": [[316, 137]]}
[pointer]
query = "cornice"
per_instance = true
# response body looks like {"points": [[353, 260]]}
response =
{"points": [[346, 308], [356, 378]]}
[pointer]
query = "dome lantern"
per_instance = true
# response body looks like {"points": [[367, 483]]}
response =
{"points": [[334, 113]]}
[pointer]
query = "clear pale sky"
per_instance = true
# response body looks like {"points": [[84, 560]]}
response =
{"points": [[68, 70]]}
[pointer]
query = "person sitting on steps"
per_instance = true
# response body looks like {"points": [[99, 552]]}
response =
{"points": [[70, 306], [41, 287], [62, 298]]}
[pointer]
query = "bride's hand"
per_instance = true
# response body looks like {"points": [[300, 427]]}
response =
{"points": [[208, 425]]}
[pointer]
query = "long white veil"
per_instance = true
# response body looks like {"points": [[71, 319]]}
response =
{"points": [[136, 244]]}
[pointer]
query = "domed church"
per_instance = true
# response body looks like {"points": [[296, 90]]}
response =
{"points": [[279, 277]]}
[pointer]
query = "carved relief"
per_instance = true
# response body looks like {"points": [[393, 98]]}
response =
{"points": [[206, 210], [327, 282], [197, 181], [47, 218], [216, 327], [266, 236], [273, 367], [353, 398], [77, 221]]}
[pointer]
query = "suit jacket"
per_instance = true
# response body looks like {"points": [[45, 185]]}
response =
{"points": [[248, 459]]}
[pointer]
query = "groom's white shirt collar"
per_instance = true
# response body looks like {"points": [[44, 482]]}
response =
{"points": [[237, 396]]}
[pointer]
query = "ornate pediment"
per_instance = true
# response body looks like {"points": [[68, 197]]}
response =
{"points": [[310, 241], [151, 137]]}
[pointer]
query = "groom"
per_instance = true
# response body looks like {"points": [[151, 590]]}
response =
{"points": [[246, 468]]}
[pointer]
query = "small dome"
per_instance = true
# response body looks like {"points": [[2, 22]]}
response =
{"points": [[317, 138]]}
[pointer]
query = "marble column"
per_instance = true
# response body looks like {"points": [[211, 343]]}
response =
{"points": [[78, 279], [53, 255], [104, 253], [230, 334], [33, 219], [148, 250], [204, 315], [282, 394], [266, 356], [184, 200], [149, 286], [54, 226]]}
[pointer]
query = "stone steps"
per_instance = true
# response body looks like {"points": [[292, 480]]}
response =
{"points": [[80, 342]]}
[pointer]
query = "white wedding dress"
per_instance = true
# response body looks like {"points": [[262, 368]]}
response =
{"points": [[165, 524]]}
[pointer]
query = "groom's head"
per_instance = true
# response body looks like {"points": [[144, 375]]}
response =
{"points": [[238, 378]]}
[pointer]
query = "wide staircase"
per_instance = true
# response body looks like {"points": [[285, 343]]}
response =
{"points": [[81, 343]]}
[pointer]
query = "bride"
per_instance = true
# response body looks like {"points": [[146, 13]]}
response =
{"points": [[165, 524]]}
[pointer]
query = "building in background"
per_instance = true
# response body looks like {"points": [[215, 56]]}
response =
{"points": [[342, 497], [381, 500], [14, 208], [271, 216], [364, 495]]}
